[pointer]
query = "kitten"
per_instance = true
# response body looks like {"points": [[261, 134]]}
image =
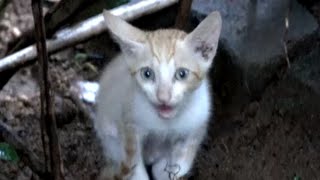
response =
{"points": [[153, 105]]}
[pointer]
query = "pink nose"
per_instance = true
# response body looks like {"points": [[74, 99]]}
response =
{"points": [[164, 95]]}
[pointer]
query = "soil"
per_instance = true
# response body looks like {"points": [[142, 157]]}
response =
{"points": [[273, 137]]}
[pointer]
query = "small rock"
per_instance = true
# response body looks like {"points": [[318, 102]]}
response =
{"points": [[65, 111]]}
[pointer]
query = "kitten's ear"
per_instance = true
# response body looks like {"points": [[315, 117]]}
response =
{"points": [[203, 40], [129, 38]]}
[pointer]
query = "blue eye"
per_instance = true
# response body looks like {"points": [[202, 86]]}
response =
{"points": [[147, 73], [181, 74]]}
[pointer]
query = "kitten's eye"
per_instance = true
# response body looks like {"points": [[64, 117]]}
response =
{"points": [[147, 73], [181, 74]]}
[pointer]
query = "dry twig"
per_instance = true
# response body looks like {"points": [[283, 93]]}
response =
{"points": [[285, 36], [83, 31], [77, 34], [183, 14], [55, 18], [47, 114]]}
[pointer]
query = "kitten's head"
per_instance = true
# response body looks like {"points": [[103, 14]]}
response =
{"points": [[167, 64]]}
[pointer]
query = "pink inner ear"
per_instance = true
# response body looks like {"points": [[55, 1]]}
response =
{"points": [[204, 49]]}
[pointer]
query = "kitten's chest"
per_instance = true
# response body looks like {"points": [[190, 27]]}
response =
{"points": [[157, 145]]}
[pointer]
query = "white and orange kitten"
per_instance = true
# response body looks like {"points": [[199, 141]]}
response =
{"points": [[153, 104]]}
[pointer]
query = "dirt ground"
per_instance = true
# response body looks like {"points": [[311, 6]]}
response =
{"points": [[275, 137]]}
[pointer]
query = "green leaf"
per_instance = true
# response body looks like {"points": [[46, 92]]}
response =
{"points": [[8, 153], [296, 177], [81, 57]]}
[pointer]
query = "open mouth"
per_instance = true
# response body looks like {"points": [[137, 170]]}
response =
{"points": [[165, 111]]}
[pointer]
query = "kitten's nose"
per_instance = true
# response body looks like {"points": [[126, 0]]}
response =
{"points": [[164, 95]]}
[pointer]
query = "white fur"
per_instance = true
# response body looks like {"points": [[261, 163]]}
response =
{"points": [[125, 103]]}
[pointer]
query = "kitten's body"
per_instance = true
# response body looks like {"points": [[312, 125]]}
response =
{"points": [[161, 121]]}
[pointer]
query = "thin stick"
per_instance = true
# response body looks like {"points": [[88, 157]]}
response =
{"points": [[42, 119], [183, 14], [285, 36], [47, 115], [83, 31]]}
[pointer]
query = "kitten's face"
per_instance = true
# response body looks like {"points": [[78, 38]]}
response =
{"points": [[165, 72], [167, 64]]}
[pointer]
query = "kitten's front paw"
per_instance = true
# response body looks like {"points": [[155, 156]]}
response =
{"points": [[139, 173], [163, 170], [110, 173]]}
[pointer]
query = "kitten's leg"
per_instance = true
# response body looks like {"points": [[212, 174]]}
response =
{"points": [[175, 167], [140, 172], [113, 149], [123, 151], [133, 148], [181, 158]]}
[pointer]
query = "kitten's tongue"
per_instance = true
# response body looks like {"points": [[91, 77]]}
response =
{"points": [[165, 111]]}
